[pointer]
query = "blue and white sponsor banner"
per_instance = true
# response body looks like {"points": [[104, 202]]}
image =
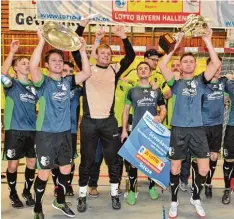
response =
{"points": [[146, 149]]}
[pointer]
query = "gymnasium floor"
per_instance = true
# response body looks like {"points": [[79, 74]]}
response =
{"points": [[100, 207]]}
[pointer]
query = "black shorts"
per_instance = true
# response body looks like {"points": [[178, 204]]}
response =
{"points": [[74, 146], [228, 147], [184, 139], [214, 137], [53, 149], [19, 144]]}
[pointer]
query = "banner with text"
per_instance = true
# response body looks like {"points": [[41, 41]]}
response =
{"points": [[157, 13], [146, 149]]}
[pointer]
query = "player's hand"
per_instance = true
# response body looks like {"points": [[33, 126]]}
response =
{"points": [[124, 135], [100, 33], [83, 46], [14, 46], [40, 33], [119, 31], [157, 119]]}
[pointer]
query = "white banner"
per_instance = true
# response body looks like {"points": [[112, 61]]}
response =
{"points": [[162, 13], [142, 13]]}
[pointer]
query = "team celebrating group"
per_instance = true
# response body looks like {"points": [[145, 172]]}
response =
{"points": [[192, 107]]}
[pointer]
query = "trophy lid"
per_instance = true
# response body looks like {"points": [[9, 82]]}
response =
{"points": [[61, 37]]}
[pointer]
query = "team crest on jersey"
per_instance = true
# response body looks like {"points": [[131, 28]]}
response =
{"points": [[72, 94], [11, 153], [193, 84], [153, 93], [45, 161], [220, 87], [31, 89]]}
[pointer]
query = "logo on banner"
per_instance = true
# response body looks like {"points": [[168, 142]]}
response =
{"points": [[150, 160], [120, 3], [154, 12]]}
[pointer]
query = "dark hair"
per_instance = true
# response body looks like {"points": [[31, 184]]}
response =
{"points": [[52, 51], [187, 54], [17, 59], [71, 65], [209, 59], [141, 63], [103, 46]]}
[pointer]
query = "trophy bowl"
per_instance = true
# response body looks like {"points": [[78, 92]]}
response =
{"points": [[61, 37], [195, 26]]}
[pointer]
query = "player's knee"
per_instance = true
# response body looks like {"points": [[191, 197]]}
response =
{"points": [[12, 166], [175, 169], [203, 171], [213, 156], [31, 163], [65, 169]]}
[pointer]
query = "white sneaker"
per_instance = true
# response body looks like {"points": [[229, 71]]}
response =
{"points": [[199, 208], [173, 209]]}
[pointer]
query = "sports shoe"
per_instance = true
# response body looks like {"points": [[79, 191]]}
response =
{"points": [[183, 187], [55, 191], [153, 193], [208, 191], [93, 192], [131, 199], [38, 215], [64, 208], [15, 201], [199, 208], [70, 191], [226, 199], [173, 210], [28, 197], [81, 207], [116, 204]]}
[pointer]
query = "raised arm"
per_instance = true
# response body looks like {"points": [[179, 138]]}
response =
{"points": [[130, 53], [215, 63], [36, 58], [126, 111], [86, 72], [76, 54], [166, 72], [8, 61], [99, 35]]}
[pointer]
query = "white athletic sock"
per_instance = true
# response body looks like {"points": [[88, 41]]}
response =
{"points": [[83, 191], [114, 189]]}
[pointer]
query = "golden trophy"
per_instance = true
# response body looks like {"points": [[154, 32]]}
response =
{"points": [[195, 26], [61, 37]]}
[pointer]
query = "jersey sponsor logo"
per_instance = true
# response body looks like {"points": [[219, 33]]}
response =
{"points": [[60, 96], [11, 153], [216, 95], [45, 161], [145, 91], [146, 101], [27, 98]]}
